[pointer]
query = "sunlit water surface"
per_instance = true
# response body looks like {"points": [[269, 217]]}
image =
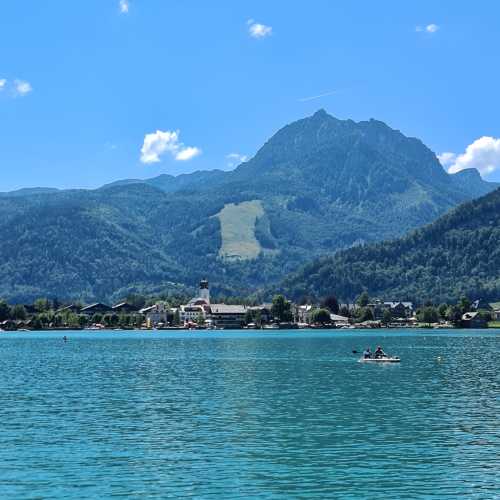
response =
{"points": [[249, 414]]}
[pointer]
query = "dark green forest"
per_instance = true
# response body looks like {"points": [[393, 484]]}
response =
{"points": [[458, 255]]}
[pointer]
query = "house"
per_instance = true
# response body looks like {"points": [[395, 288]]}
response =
{"points": [[193, 313], [97, 308], [124, 308], [348, 307], [377, 308], [303, 314], [227, 316], [155, 314], [495, 315], [400, 309], [8, 325], [335, 318], [72, 308], [266, 316], [473, 320]]}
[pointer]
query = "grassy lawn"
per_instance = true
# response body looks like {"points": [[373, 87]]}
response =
{"points": [[494, 324], [238, 230]]}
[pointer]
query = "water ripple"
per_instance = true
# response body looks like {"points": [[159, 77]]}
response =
{"points": [[239, 415]]}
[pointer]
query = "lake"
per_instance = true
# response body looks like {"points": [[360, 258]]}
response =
{"points": [[247, 414]]}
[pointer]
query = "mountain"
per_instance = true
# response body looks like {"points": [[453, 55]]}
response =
{"points": [[459, 254], [171, 183], [470, 181], [29, 192], [317, 186]]}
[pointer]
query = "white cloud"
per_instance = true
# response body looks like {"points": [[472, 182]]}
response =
{"points": [[430, 28], [483, 154], [234, 159], [159, 142], [188, 153], [446, 159], [3, 82], [258, 30], [124, 6], [22, 88]]}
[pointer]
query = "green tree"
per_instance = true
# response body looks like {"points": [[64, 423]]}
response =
{"points": [[43, 318], [107, 320], [82, 321], [281, 308], [42, 305], [428, 315], [19, 312], [248, 317], [331, 303], [454, 314], [97, 318], [124, 320], [36, 324], [485, 315], [177, 317], [136, 300], [364, 314], [442, 309], [464, 305], [321, 316], [363, 299], [200, 320], [4, 310], [257, 317], [386, 316]]}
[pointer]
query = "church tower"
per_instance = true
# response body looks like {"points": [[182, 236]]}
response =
{"points": [[204, 291]]}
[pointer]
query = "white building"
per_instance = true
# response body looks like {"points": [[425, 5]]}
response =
{"points": [[192, 313], [155, 314], [198, 307]]}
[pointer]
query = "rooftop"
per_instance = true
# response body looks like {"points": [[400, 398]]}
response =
{"points": [[227, 309]]}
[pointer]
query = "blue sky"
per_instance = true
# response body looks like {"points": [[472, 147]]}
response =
{"points": [[84, 83]]}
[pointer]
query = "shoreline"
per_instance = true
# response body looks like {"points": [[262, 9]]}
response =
{"points": [[213, 330]]}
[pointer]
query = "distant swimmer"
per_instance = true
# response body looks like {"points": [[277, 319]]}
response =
{"points": [[65, 338]]}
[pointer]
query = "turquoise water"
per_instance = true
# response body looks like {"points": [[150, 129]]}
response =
{"points": [[249, 414]]}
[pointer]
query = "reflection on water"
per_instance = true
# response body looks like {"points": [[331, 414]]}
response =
{"points": [[273, 415]]}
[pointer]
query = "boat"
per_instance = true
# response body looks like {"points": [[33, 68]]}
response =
{"points": [[387, 359]]}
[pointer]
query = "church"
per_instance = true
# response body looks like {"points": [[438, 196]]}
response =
{"points": [[198, 307], [218, 315]]}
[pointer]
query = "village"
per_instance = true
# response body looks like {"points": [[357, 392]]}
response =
{"points": [[200, 313]]}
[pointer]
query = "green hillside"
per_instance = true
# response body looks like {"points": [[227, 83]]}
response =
{"points": [[457, 255], [317, 186]]}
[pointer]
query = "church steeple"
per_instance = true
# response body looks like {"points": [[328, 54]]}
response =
{"points": [[204, 290]]}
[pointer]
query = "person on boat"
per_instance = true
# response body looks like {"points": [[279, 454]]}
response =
{"points": [[379, 353], [368, 353]]}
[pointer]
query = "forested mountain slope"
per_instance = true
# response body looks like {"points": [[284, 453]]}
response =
{"points": [[459, 254]]}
